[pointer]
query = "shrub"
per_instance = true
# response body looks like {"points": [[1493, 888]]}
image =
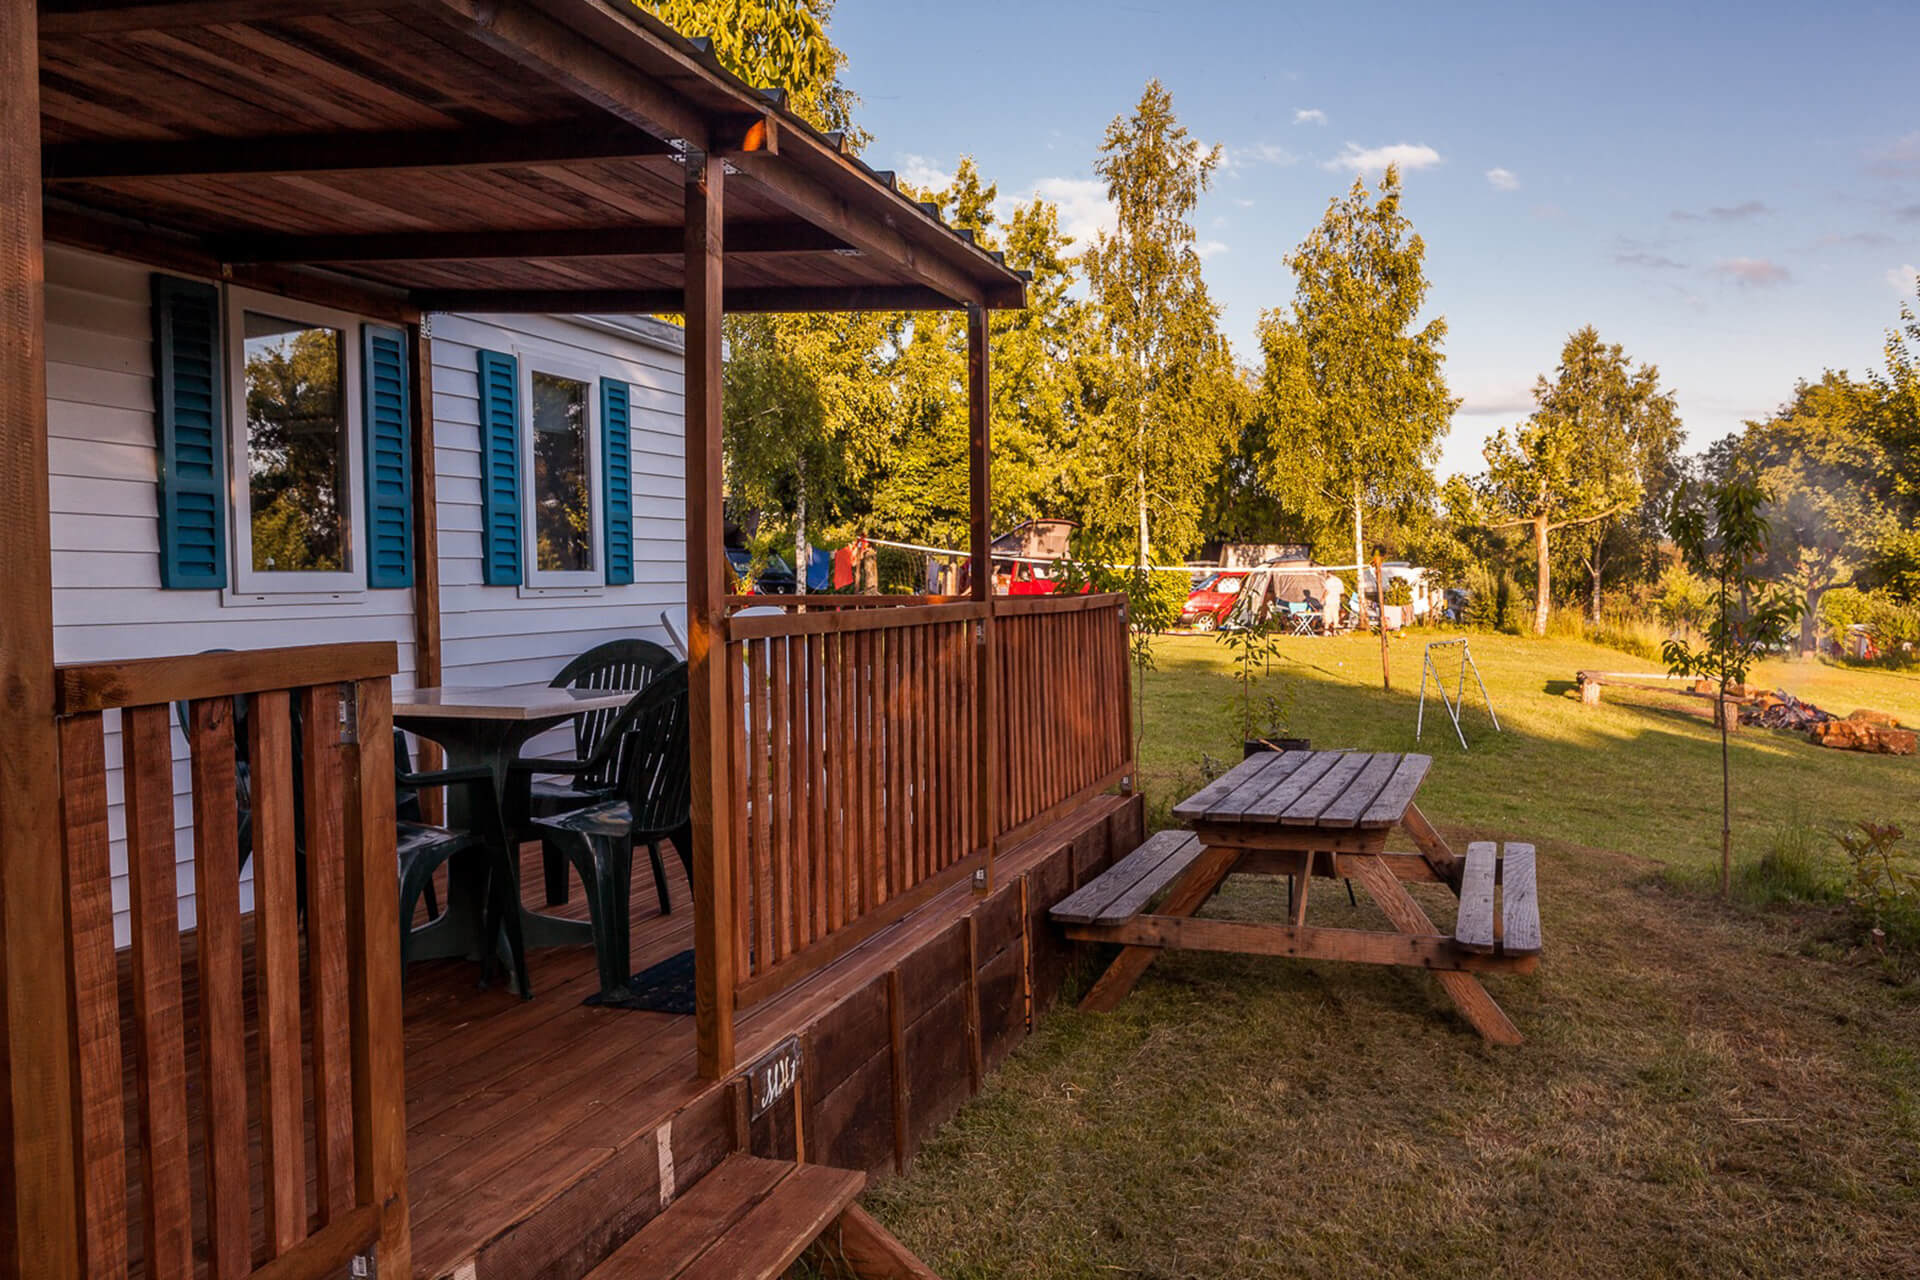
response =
{"points": [[1399, 591], [1895, 627], [1883, 883], [1682, 599], [1154, 596]]}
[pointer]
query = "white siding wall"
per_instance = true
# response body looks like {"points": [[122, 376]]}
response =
{"points": [[107, 600], [502, 635]]}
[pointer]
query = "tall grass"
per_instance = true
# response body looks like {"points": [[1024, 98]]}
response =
{"points": [[1617, 629]]}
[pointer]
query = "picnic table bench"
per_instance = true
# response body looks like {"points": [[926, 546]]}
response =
{"points": [[1316, 813]]}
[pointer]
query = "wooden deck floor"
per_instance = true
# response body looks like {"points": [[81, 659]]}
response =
{"points": [[511, 1101]]}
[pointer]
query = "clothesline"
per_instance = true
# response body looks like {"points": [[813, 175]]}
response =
{"points": [[1168, 568]]}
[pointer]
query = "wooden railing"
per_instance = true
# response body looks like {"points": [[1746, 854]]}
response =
{"points": [[859, 770], [328, 975], [1065, 693]]}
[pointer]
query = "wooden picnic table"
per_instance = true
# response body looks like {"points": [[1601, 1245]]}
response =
{"points": [[1302, 814]]}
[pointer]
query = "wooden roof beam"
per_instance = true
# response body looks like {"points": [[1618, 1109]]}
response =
{"points": [[110, 17], [673, 301], [349, 152], [746, 238], [563, 56]]}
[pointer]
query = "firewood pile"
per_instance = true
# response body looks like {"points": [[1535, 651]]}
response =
{"points": [[1781, 710], [1876, 734], [1864, 730]]}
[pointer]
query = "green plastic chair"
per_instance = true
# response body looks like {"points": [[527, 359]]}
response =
{"points": [[617, 664], [649, 743]]}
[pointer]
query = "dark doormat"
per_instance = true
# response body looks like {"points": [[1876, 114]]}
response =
{"points": [[667, 987]]}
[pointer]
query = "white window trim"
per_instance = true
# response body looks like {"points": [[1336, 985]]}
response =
{"points": [[572, 582], [260, 586]]}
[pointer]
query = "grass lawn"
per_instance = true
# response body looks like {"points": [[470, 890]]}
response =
{"points": [[1705, 1089]]}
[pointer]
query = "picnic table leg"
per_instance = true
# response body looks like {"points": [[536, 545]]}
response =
{"points": [[1432, 845], [1188, 894], [1472, 999]]}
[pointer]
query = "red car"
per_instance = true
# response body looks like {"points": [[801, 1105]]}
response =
{"points": [[1210, 603]]}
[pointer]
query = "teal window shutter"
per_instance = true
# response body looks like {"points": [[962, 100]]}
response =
{"points": [[499, 469], [616, 470], [386, 420], [189, 431]]}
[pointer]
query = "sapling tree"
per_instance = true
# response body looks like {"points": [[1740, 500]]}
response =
{"points": [[1723, 536], [1255, 646]]}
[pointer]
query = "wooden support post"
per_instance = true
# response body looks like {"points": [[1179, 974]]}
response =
{"points": [[980, 553], [707, 673], [1380, 602], [427, 672], [39, 1223]]}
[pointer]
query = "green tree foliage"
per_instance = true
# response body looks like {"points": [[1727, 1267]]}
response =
{"points": [[1893, 563], [1352, 401], [773, 44], [1721, 531], [1602, 433], [1037, 359], [1821, 459], [1164, 380]]}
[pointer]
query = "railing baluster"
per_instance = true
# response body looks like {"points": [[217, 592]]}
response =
{"points": [[779, 796], [277, 981], [160, 1067], [326, 949], [736, 676], [98, 1087], [223, 1032]]}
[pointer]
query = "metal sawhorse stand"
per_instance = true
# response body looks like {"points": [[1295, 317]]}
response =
{"points": [[1454, 703]]}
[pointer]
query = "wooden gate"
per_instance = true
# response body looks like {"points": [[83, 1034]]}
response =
{"points": [[289, 751]]}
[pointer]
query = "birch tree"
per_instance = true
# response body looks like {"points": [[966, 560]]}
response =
{"points": [[1352, 401], [1165, 392]]}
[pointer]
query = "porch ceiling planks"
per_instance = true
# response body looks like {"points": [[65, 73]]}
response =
{"points": [[273, 133]]}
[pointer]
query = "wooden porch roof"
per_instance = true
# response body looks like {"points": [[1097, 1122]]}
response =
{"points": [[477, 155]]}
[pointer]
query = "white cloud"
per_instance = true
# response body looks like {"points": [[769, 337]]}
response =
{"points": [[1084, 208], [1408, 155], [1232, 158], [1210, 248], [924, 174], [1503, 180], [1753, 272], [1724, 213], [1902, 277], [1899, 160], [1309, 115], [1243, 202]]}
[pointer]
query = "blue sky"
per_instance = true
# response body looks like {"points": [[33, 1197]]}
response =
{"points": [[1732, 191]]}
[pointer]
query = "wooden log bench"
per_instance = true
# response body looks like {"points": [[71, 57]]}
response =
{"points": [[752, 1219]]}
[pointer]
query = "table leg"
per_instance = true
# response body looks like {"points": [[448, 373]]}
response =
{"points": [[1188, 894], [1432, 845], [1407, 916]]}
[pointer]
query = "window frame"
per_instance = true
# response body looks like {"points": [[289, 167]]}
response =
{"points": [[318, 585], [535, 580]]}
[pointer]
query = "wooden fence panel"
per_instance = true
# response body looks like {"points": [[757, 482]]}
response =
{"points": [[856, 738], [289, 786]]}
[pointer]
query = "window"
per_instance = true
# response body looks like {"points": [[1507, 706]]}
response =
{"points": [[296, 447], [562, 468], [562, 478]]}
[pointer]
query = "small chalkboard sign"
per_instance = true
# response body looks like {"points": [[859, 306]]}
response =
{"points": [[771, 1078]]}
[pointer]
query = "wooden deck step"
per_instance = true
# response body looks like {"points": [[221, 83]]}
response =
{"points": [[1120, 892], [749, 1219]]}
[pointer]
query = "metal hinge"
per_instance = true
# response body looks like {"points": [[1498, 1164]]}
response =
{"points": [[349, 716], [363, 1267]]}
